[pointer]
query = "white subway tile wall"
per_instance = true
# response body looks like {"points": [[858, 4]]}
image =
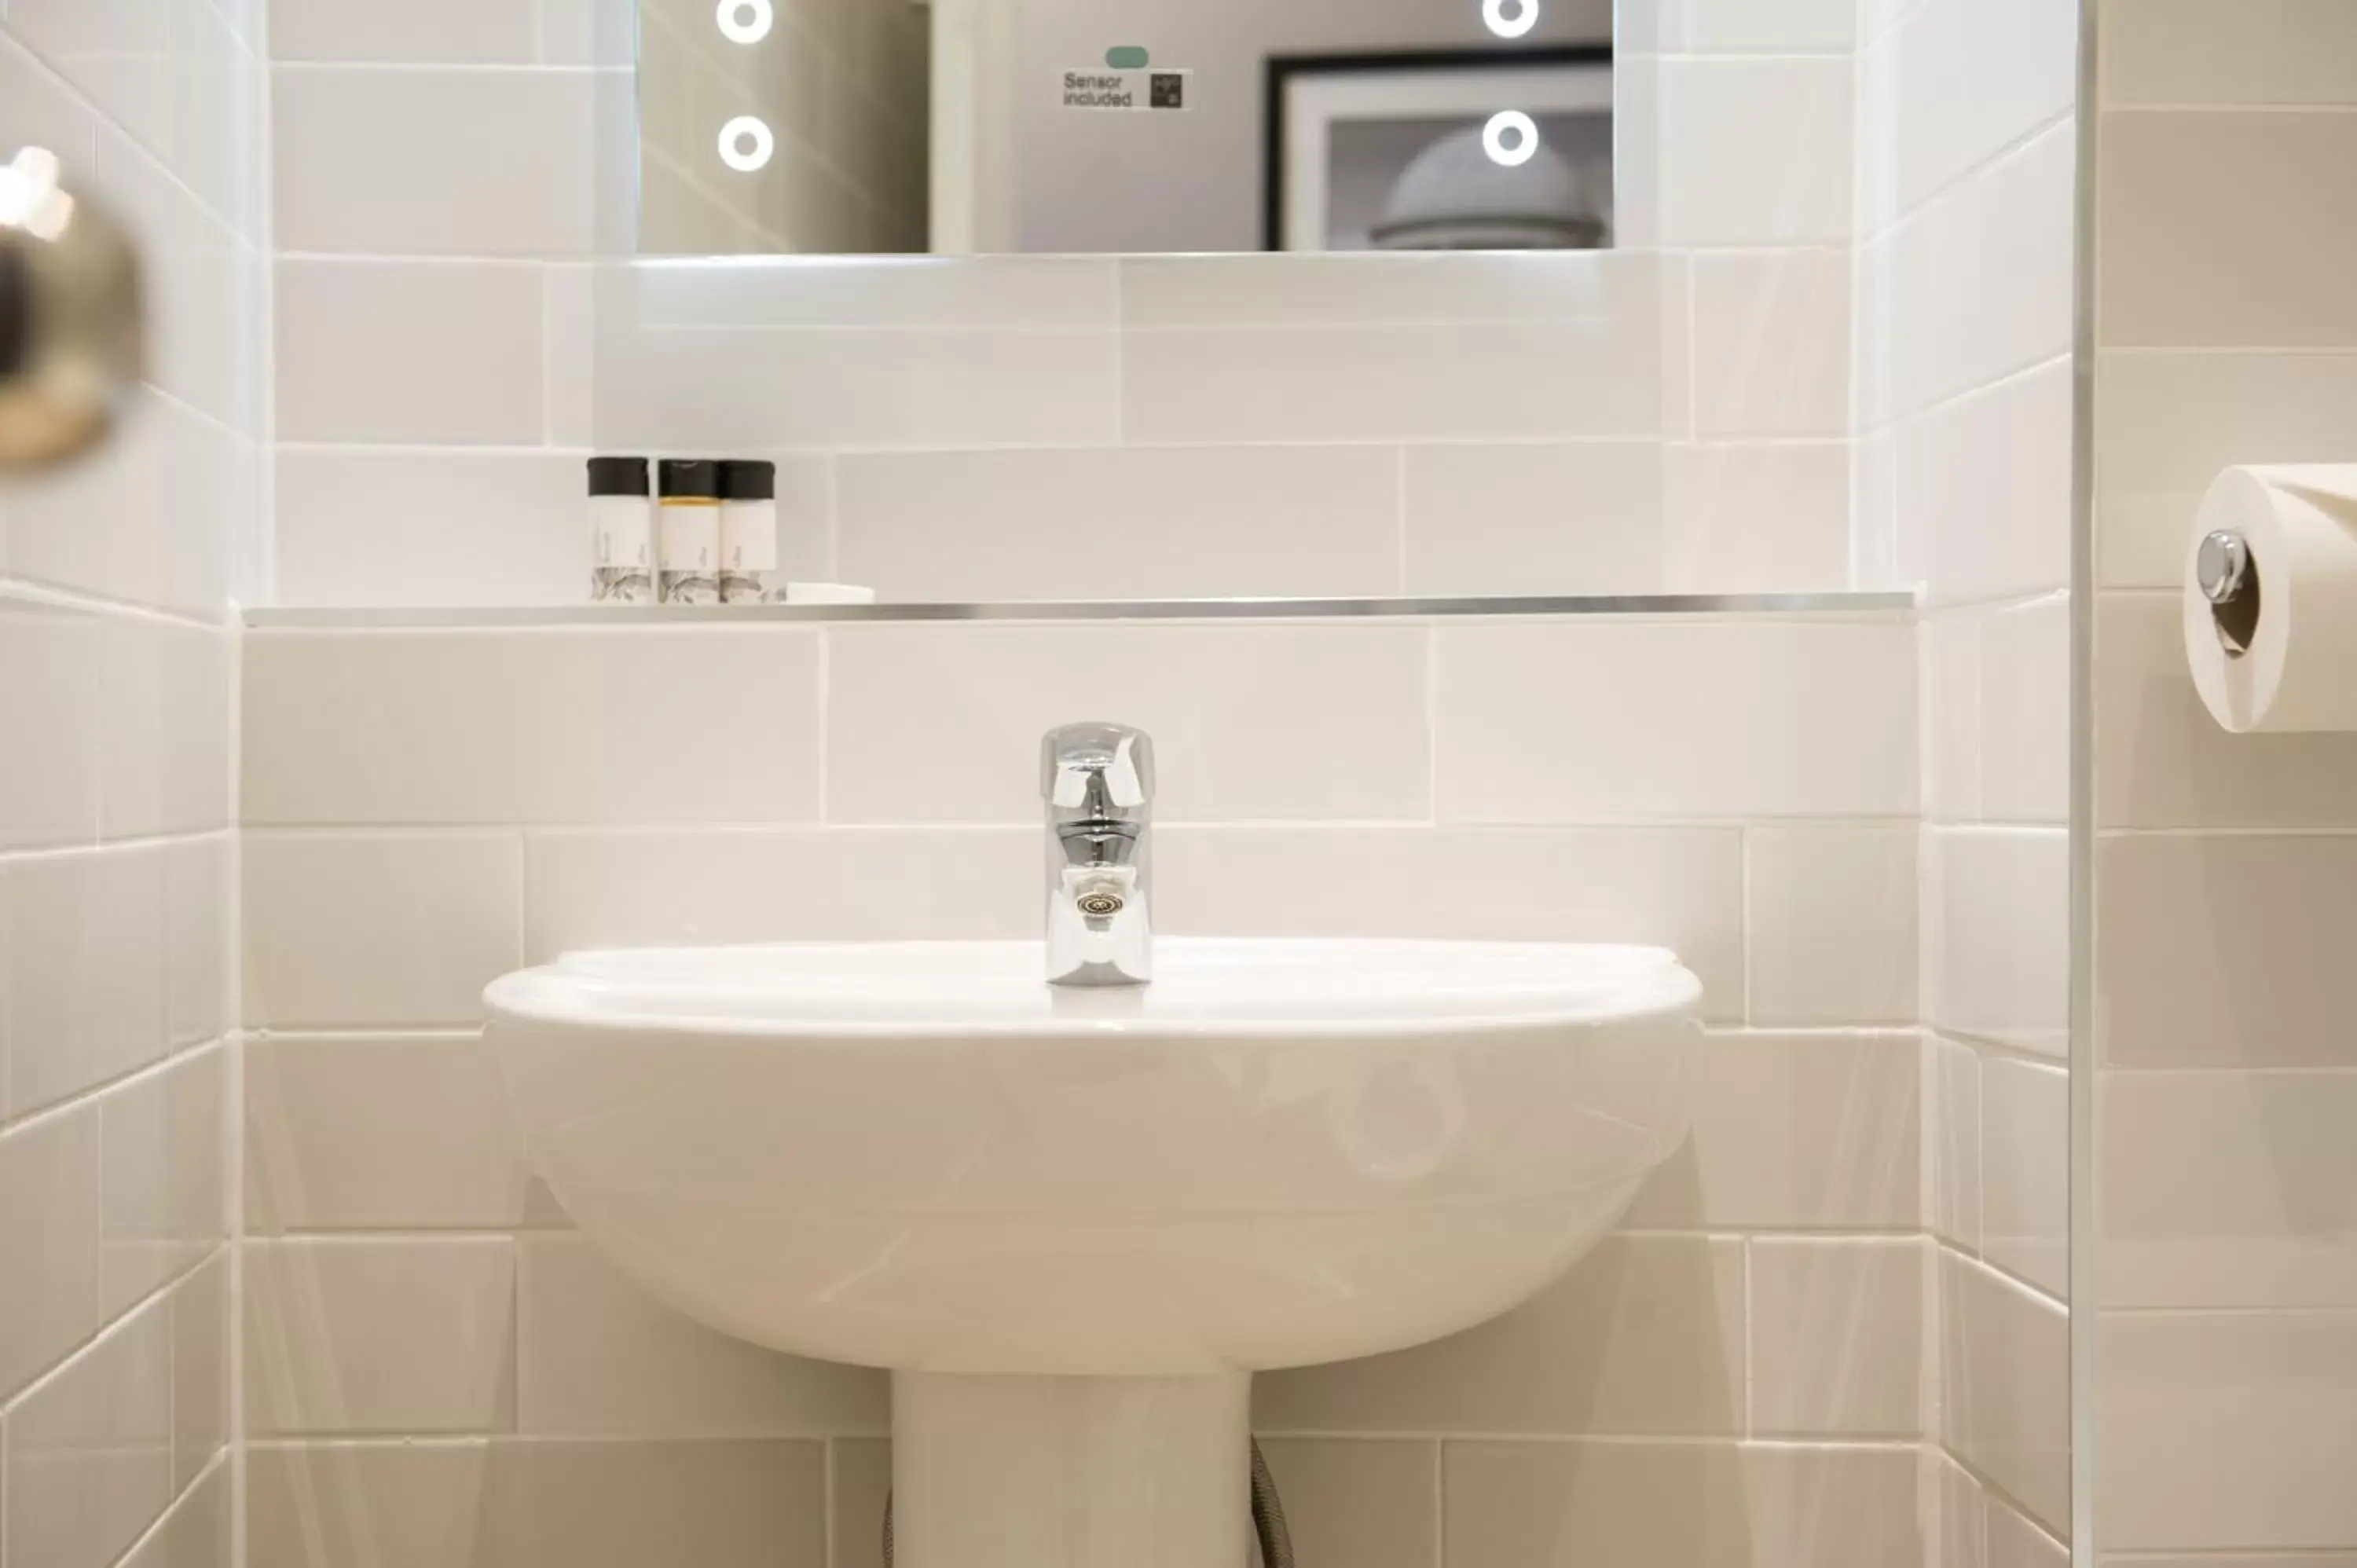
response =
{"points": [[2225, 1256], [1723, 183], [1836, 1337], [475, 1502], [409, 1335], [1823, 380], [423, 1326], [118, 1083], [89, 1449], [461, 189], [1771, 344], [1369, 1502], [1645, 1337], [2003, 1387], [1683, 1505], [1795, 718], [1963, 400], [596, 1355]]}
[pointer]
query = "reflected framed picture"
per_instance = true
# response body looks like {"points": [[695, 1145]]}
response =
{"points": [[1447, 150]]}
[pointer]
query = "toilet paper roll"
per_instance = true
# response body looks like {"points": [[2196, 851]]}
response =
{"points": [[2299, 672]]}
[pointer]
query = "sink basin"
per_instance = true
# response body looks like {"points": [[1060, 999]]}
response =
{"points": [[920, 1156], [1094, 1211]]}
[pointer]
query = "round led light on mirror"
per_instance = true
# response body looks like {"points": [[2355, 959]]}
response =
{"points": [[747, 21], [746, 144], [1511, 138], [1510, 19]]}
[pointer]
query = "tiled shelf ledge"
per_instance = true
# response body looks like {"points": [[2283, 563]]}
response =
{"points": [[1843, 603]]}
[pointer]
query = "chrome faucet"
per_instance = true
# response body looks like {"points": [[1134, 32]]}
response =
{"points": [[1098, 779]]}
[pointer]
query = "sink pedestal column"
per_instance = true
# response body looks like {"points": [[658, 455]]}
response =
{"points": [[1032, 1472]]}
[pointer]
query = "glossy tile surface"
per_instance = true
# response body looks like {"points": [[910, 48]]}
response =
{"points": [[352, 1336], [117, 888], [1425, 432]]}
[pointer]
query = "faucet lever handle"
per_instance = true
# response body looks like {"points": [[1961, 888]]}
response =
{"points": [[1097, 766]]}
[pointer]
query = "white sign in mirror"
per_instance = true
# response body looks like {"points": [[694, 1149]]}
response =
{"points": [[1123, 126]]}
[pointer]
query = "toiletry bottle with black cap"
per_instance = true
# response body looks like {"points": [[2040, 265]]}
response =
{"points": [[621, 531], [748, 531], [688, 533]]}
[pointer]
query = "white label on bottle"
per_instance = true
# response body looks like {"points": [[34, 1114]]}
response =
{"points": [[621, 531], [691, 539], [749, 536]]}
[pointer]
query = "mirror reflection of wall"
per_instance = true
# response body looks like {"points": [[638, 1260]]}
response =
{"points": [[1123, 126], [782, 126], [1441, 150]]}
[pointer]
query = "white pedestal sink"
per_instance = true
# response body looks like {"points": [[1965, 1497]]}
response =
{"points": [[1073, 1223]]}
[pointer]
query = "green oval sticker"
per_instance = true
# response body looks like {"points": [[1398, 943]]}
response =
{"points": [[1127, 56]]}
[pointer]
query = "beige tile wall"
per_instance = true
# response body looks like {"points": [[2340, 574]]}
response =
{"points": [[2226, 1260], [1968, 145], [432, 1352], [118, 1078]]}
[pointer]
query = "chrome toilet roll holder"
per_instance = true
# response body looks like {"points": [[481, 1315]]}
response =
{"points": [[2229, 579]]}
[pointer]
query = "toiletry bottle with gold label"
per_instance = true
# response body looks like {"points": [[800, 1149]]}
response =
{"points": [[688, 533]]}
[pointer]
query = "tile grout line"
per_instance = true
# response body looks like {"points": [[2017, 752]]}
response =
{"points": [[545, 275], [1400, 518], [534, 67], [1435, 820], [100, 848], [1900, 420], [1983, 166], [2303, 1313], [830, 467], [2251, 110], [1745, 934], [522, 931], [1441, 1503], [327, 1440], [220, 1460], [1120, 333], [1991, 1488], [104, 121], [1689, 413], [1751, 1349], [25, 591], [1950, 401], [1827, 1235], [2036, 1294], [158, 1299], [469, 1438], [1071, 448], [93, 1096], [823, 804], [485, 829], [1878, 1443], [829, 1526], [234, 1369]]}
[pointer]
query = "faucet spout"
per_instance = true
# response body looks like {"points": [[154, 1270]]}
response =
{"points": [[1098, 782]]}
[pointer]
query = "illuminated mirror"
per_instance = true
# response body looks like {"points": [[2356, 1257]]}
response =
{"points": [[1123, 126]]}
